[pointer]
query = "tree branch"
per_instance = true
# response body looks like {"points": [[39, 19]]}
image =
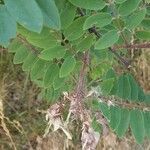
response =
{"points": [[93, 30], [118, 102], [80, 89], [133, 46], [79, 93]]}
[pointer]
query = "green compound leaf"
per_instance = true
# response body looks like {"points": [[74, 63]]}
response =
{"points": [[135, 19], [88, 4], [58, 82], [137, 125], [120, 1], [45, 39], [50, 75], [20, 55], [146, 23], [110, 74], [23, 31], [67, 15], [75, 30], [146, 116], [115, 116], [107, 40], [124, 88], [128, 7], [134, 88], [107, 85], [27, 13], [14, 46], [143, 35], [104, 108], [37, 69], [98, 20], [86, 43], [60, 4], [67, 66], [7, 26], [141, 95], [124, 123], [50, 13], [96, 125], [51, 53], [115, 88], [29, 61]]}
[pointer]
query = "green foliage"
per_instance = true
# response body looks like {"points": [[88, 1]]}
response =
{"points": [[35, 71], [146, 116], [115, 115], [96, 126], [29, 61], [128, 7], [99, 20], [67, 15], [123, 123], [143, 35], [85, 43], [107, 40], [54, 52], [137, 116], [105, 110], [52, 37], [88, 4], [120, 1], [134, 88], [135, 19], [122, 119], [20, 55], [30, 18], [7, 26], [124, 88], [51, 73], [107, 85], [50, 13], [75, 31], [67, 66]]}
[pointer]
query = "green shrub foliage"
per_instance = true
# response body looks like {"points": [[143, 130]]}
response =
{"points": [[49, 37]]}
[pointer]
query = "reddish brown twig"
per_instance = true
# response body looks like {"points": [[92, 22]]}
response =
{"points": [[93, 30], [77, 106], [125, 104], [133, 46]]}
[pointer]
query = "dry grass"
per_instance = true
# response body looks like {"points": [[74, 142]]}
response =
{"points": [[20, 121], [142, 70]]}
